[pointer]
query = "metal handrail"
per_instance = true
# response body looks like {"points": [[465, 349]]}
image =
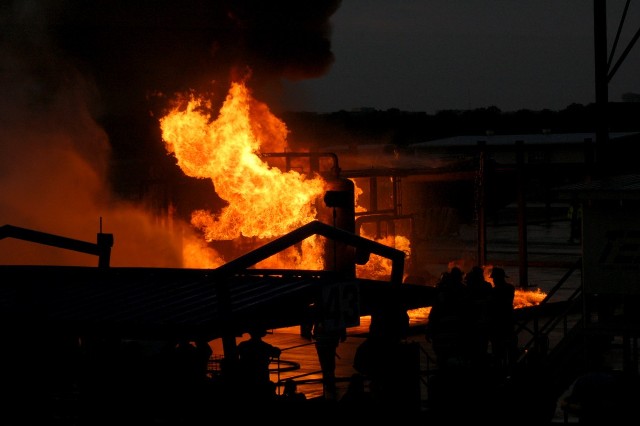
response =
{"points": [[540, 333]]}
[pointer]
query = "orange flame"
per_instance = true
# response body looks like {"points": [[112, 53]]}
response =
{"points": [[263, 201], [378, 267]]}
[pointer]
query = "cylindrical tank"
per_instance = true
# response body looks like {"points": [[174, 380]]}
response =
{"points": [[339, 211]]}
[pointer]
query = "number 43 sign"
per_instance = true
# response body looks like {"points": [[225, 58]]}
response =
{"points": [[341, 305]]}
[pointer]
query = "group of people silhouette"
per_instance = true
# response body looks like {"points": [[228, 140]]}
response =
{"points": [[471, 322], [471, 327]]}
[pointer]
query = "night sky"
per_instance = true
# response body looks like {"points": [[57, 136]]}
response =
{"points": [[430, 55], [326, 56], [138, 52]]}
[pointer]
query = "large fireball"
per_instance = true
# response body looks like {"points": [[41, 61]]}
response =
{"points": [[263, 201]]}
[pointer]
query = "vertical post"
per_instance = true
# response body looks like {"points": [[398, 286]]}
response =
{"points": [[105, 242], [602, 83], [480, 205], [523, 258], [397, 200], [373, 194]]}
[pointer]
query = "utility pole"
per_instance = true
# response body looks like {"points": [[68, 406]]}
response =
{"points": [[602, 85]]}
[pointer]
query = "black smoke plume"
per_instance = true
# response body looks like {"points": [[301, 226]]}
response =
{"points": [[83, 83], [134, 48]]}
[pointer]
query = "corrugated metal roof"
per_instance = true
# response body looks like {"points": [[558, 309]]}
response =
{"points": [[150, 303], [621, 187], [144, 301], [159, 302], [510, 140]]}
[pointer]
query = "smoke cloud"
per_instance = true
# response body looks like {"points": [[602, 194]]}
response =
{"points": [[142, 47], [83, 83]]}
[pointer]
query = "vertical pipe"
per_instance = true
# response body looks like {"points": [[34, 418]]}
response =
{"points": [[397, 199], [480, 205], [523, 260], [601, 81], [340, 200], [373, 194]]}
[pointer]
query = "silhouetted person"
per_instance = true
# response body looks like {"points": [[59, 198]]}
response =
{"points": [[254, 357], [575, 222], [204, 353], [326, 343], [203, 384], [503, 337], [290, 392], [381, 357], [479, 292], [191, 361], [187, 378], [448, 321]]}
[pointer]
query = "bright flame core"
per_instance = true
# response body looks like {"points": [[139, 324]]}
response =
{"points": [[263, 201]]}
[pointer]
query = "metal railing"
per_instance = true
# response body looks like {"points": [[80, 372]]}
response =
{"points": [[539, 343]]}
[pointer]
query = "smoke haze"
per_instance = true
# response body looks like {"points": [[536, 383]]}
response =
{"points": [[74, 74]]}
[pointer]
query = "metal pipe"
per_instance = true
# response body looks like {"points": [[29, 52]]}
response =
{"points": [[102, 248], [312, 155]]}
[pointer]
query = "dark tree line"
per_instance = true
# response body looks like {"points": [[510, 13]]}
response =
{"points": [[401, 128]]}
